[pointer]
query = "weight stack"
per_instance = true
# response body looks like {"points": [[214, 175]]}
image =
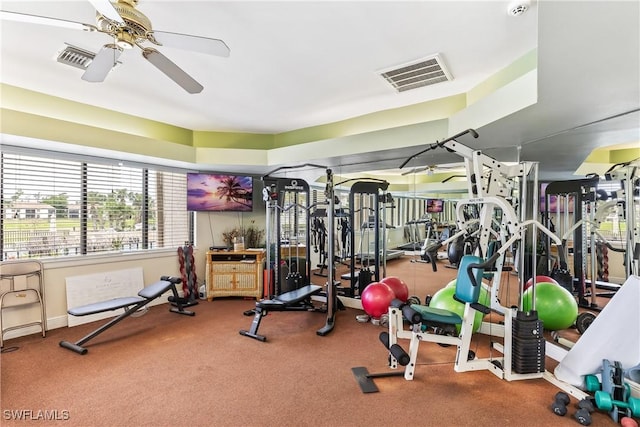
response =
{"points": [[528, 344]]}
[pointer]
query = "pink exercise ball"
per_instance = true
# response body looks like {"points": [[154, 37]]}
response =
{"points": [[539, 279], [376, 298], [399, 288]]}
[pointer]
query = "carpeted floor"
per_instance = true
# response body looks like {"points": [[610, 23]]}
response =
{"points": [[164, 369]]}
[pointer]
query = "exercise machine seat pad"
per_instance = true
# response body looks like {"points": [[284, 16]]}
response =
{"points": [[272, 304], [102, 306], [289, 298], [147, 293], [437, 315], [298, 295], [155, 290]]}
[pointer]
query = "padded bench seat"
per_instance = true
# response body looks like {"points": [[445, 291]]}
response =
{"points": [[347, 276], [281, 302], [436, 315], [147, 293], [155, 290], [295, 300], [130, 304], [99, 307], [298, 295]]}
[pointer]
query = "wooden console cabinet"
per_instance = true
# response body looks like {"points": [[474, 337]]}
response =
{"points": [[234, 273]]}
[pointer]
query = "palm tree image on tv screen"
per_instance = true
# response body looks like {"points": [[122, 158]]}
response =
{"points": [[219, 193]]}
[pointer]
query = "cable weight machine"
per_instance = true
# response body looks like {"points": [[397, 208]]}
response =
{"points": [[287, 201], [284, 195], [370, 190], [300, 190], [500, 193], [332, 292]]}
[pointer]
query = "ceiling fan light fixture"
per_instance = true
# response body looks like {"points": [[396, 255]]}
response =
{"points": [[136, 24], [125, 40], [128, 27]]}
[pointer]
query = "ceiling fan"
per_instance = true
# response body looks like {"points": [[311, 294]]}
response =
{"points": [[129, 27]]}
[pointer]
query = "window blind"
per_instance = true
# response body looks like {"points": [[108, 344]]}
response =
{"points": [[53, 206]]}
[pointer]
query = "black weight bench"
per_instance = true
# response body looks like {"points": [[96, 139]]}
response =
{"points": [[130, 304], [296, 300]]}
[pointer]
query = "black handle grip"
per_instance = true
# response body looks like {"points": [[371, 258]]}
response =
{"points": [[483, 265], [561, 255], [613, 248], [432, 252]]}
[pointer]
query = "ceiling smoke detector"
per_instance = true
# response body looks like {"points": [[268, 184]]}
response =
{"points": [[517, 8]]}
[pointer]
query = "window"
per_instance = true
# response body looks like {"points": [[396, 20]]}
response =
{"points": [[56, 205], [614, 226]]}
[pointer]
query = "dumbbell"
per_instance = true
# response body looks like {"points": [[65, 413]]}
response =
{"points": [[559, 405], [583, 414], [605, 402]]}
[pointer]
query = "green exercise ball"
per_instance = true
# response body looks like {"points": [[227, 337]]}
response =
{"points": [[555, 305], [451, 283], [443, 299]]}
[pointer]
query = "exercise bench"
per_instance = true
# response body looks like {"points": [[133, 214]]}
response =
{"points": [[130, 304], [296, 300]]}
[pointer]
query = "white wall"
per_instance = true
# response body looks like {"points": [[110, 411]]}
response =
{"points": [[209, 228], [154, 265]]}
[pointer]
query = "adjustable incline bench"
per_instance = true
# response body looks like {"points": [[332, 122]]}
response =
{"points": [[296, 300], [130, 304]]}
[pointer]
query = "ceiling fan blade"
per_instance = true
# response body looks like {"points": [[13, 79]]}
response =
{"points": [[415, 170], [102, 63], [106, 9], [172, 71], [43, 20], [192, 43]]}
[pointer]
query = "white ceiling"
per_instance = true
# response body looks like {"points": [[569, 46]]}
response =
{"points": [[296, 64]]}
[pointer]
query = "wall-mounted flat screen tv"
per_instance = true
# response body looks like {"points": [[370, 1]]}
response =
{"points": [[435, 205], [212, 192]]}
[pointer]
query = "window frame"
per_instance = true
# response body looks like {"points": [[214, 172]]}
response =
{"points": [[10, 153]]}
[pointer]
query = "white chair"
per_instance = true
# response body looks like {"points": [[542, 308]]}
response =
{"points": [[21, 284]]}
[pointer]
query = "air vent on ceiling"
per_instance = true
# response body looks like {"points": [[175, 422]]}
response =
{"points": [[425, 72], [75, 56]]}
